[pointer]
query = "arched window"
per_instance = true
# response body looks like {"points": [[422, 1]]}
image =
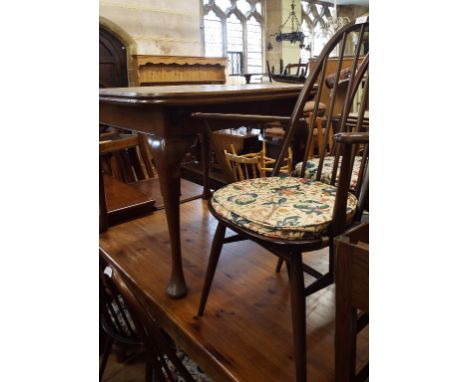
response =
{"points": [[213, 35], [235, 45], [254, 46], [234, 29]]}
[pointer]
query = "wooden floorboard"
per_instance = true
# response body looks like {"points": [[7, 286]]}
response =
{"points": [[245, 334], [150, 187]]}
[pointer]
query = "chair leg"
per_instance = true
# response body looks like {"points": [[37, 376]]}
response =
{"points": [[105, 355], [298, 304], [212, 263], [279, 264]]}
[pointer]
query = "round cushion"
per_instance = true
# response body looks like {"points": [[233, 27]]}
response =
{"points": [[281, 207]]}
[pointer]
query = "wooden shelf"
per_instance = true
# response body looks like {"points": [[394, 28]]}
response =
{"points": [[160, 70]]}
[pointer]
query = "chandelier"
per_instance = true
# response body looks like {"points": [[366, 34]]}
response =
{"points": [[332, 24], [296, 34]]}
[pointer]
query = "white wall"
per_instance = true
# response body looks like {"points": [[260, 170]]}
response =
{"points": [[158, 27]]}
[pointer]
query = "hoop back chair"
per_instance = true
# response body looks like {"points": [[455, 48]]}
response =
{"points": [[291, 215], [114, 318], [132, 323]]}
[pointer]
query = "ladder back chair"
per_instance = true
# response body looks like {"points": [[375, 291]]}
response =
{"points": [[292, 215], [128, 158], [254, 165], [267, 164], [245, 166], [123, 161]]}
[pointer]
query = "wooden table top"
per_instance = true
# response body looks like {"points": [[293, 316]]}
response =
{"points": [[195, 94], [246, 332]]}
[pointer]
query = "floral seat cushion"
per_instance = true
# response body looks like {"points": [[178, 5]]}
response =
{"points": [[312, 166], [280, 207]]}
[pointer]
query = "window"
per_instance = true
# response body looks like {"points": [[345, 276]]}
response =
{"points": [[213, 35], [235, 62], [314, 18], [254, 46], [234, 29]]}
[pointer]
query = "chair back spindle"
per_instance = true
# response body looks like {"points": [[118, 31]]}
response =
{"points": [[315, 85]]}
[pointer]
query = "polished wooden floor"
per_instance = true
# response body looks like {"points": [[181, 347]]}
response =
{"points": [[246, 333], [131, 370]]}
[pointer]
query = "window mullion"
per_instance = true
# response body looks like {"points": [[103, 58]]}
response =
{"points": [[224, 28], [245, 48]]}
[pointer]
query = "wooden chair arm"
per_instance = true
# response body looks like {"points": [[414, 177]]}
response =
{"points": [[352, 138]]}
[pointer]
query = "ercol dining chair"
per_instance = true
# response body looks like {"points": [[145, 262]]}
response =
{"points": [[292, 215], [326, 149], [114, 319], [126, 320]]}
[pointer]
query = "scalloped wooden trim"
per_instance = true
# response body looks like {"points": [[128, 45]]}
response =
{"points": [[143, 60]]}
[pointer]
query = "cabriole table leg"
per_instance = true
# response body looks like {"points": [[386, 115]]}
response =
{"points": [[168, 155]]}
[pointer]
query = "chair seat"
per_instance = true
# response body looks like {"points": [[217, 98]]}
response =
{"points": [[309, 108], [312, 166], [280, 207]]}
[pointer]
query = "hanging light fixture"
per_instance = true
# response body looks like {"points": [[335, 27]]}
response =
{"points": [[334, 23], [296, 34]]}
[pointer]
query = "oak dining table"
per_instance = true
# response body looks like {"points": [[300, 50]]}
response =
{"points": [[164, 113]]}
